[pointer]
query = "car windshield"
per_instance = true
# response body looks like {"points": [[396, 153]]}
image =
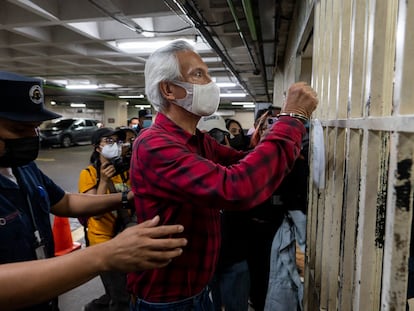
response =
{"points": [[61, 124]]}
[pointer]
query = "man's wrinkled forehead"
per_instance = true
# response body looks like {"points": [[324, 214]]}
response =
{"points": [[190, 61]]}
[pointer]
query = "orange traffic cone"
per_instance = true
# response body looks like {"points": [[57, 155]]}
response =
{"points": [[63, 236]]}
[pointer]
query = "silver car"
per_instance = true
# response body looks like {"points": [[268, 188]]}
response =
{"points": [[66, 132]]}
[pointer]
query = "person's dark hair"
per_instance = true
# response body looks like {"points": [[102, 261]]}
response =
{"points": [[121, 132], [230, 121], [133, 118]]}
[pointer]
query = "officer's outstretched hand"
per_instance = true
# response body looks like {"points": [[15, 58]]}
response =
{"points": [[144, 246], [301, 99]]}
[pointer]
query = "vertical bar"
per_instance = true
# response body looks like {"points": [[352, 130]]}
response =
{"points": [[400, 180], [398, 222], [404, 73], [357, 72], [350, 219], [344, 44]]}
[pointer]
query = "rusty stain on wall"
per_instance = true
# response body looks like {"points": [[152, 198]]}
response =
{"points": [[382, 193]]}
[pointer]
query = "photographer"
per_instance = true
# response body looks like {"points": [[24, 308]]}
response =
{"points": [[108, 172]]}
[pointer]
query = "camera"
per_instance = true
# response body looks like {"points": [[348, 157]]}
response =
{"points": [[219, 135], [121, 164]]}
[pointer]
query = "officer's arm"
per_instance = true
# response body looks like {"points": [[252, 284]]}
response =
{"points": [[141, 247]]}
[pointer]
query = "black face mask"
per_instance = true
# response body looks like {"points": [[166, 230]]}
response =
{"points": [[237, 142], [19, 151]]}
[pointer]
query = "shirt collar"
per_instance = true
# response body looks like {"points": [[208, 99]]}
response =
{"points": [[163, 122]]}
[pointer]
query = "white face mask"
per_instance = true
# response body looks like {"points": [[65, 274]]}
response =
{"points": [[201, 99], [111, 151]]}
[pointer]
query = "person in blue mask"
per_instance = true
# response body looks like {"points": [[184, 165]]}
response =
{"points": [[145, 119], [133, 123]]}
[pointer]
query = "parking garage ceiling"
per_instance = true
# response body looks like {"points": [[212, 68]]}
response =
{"points": [[105, 43]]}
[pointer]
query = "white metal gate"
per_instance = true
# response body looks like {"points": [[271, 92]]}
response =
{"points": [[359, 225]]}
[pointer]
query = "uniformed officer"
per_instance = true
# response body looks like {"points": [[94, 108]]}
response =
{"points": [[27, 278]]}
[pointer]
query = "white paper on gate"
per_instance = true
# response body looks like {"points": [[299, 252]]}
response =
{"points": [[318, 154]]}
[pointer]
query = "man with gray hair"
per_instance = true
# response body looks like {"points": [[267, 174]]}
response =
{"points": [[186, 177]]}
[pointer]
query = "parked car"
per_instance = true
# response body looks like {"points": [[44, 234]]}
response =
{"points": [[66, 132]]}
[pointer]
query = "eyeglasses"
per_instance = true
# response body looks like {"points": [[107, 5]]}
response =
{"points": [[110, 140], [235, 130]]}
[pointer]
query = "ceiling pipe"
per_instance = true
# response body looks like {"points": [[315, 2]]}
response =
{"points": [[248, 12], [236, 21], [107, 7], [276, 30], [198, 22], [247, 7]]}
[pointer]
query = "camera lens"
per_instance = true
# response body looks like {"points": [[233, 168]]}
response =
{"points": [[217, 135]]}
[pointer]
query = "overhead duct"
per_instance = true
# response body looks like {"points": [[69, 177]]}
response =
{"points": [[248, 12], [236, 21]]}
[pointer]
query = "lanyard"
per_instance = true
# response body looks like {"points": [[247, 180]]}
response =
{"points": [[40, 246]]}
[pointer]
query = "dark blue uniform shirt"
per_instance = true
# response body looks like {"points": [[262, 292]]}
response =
{"points": [[17, 241]]}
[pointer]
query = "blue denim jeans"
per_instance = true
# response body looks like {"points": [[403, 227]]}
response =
{"points": [[230, 288], [199, 302]]}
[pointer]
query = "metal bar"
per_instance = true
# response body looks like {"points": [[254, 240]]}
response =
{"points": [[386, 123]]}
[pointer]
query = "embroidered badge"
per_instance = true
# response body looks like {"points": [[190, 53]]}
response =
{"points": [[36, 94]]}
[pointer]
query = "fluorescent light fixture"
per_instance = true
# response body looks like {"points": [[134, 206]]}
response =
{"points": [[211, 59], [225, 113], [131, 96], [148, 34], [81, 86], [249, 106], [226, 84], [142, 106], [76, 105], [233, 95], [148, 46], [242, 103], [109, 86]]}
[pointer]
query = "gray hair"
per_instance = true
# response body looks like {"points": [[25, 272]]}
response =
{"points": [[162, 65]]}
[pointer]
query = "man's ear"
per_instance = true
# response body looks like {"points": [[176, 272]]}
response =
{"points": [[166, 91]]}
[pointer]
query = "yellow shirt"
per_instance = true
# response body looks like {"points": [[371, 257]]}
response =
{"points": [[103, 228]]}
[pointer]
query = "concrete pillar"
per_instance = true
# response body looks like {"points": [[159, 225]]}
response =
{"points": [[278, 89], [115, 113]]}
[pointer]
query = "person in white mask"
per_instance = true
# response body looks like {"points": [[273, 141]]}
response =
{"points": [[186, 176], [100, 177]]}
